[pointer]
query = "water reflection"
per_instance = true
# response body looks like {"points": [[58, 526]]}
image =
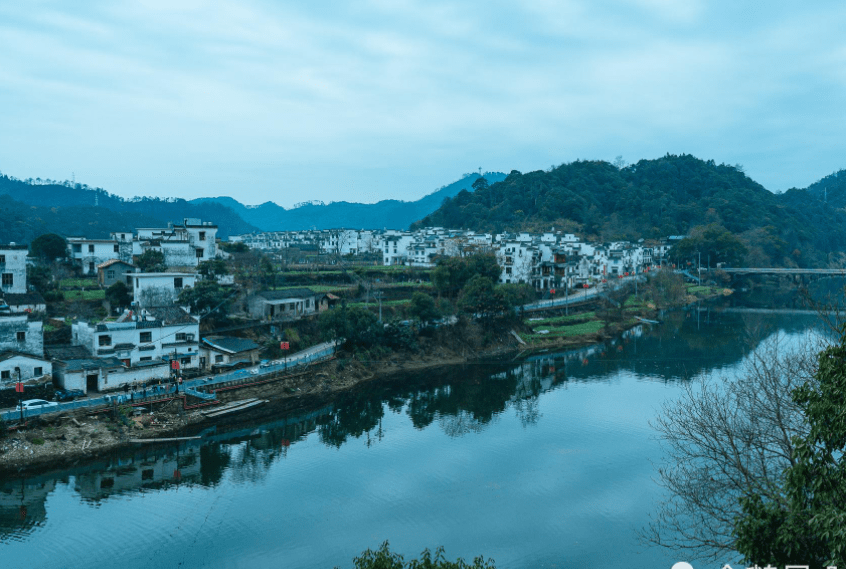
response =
{"points": [[458, 401]]}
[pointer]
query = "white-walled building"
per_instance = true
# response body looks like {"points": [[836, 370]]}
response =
{"points": [[159, 289], [182, 245], [143, 344]]}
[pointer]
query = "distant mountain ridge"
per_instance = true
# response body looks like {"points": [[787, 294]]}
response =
{"points": [[390, 214], [68, 195]]}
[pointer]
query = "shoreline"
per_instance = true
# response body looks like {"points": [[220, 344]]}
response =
{"points": [[68, 438]]}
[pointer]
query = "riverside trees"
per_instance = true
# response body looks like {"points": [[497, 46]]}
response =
{"points": [[756, 465]]}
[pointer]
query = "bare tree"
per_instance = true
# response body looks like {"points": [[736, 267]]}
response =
{"points": [[726, 438]]}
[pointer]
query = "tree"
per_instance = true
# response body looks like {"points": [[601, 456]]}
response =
{"points": [[479, 297], [729, 444], [151, 261], [423, 307], [357, 326], [713, 242], [213, 268], [118, 295], [804, 522], [49, 247], [452, 273], [203, 297], [383, 558]]}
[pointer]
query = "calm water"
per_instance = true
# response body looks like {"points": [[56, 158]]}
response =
{"points": [[546, 463]]}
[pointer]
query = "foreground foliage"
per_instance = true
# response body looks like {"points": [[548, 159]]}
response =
{"points": [[807, 524], [383, 558]]}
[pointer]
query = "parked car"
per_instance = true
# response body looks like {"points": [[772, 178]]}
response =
{"points": [[68, 394], [35, 404]]}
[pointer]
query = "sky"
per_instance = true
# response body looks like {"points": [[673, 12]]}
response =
{"points": [[369, 100]]}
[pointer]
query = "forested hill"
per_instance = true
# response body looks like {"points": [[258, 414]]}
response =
{"points": [[83, 198], [831, 189], [653, 199], [391, 214], [23, 222]]}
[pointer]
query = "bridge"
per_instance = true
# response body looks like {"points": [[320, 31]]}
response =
{"points": [[779, 271]]}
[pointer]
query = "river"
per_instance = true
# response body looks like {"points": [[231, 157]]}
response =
{"points": [[543, 463]]}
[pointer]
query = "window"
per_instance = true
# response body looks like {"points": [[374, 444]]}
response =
{"points": [[217, 359], [77, 248], [186, 361], [146, 359], [91, 267], [2, 258], [6, 374], [91, 248], [105, 340], [177, 282], [202, 235], [110, 274], [199, 253], [38, 371], [181, 336], [21, 336], [117, 248], [8, 279], [146, 337]]}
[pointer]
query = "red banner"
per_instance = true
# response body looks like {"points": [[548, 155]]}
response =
{"points": [[174, 364], [19, 387], [284, 346]]}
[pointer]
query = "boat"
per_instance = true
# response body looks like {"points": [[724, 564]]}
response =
{"points": [[234, 407]]}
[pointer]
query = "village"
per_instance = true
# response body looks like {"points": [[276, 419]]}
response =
{"points": [[158, 338]]}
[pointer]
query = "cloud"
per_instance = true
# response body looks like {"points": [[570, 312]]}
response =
{"points": [[397, 98]]}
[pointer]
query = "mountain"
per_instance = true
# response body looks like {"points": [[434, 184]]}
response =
{"points": [[656, 198], [51, 194], [23, 222], [391, 214], [831, 189]]}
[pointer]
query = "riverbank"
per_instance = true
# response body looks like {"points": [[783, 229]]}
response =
{"points": [[572, 329], [68, 438], [53, 441]]}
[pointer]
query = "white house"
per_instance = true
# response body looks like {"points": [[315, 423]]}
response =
{"points": [[144, 344], [13, 268], [17, 366], [159, 289]]}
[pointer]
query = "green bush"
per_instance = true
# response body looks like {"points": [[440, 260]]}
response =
{"points": [[383, 558]]}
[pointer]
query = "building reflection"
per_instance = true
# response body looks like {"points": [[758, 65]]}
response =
{"points": [[459, 400]]}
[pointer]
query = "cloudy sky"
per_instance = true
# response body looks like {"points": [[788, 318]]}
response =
{"points": [[367, 100]]}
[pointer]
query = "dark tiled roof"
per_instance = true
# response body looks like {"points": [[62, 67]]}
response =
{"points": [[124, 346], [11, 354], [171, 315], [92, 363], [230, 344], [68, 352], [22, 299], [288, 293]]}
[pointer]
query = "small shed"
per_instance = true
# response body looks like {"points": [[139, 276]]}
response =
{"points": [[114, 270], [288, 304], [221, 352]]}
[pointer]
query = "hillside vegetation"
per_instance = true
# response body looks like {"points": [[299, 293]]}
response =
{"points": [[656, 198], [64, 195]]}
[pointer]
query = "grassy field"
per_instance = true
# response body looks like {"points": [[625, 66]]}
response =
{"points": [[96, 294], [69, 284], [557, 320], [585, 328]]}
